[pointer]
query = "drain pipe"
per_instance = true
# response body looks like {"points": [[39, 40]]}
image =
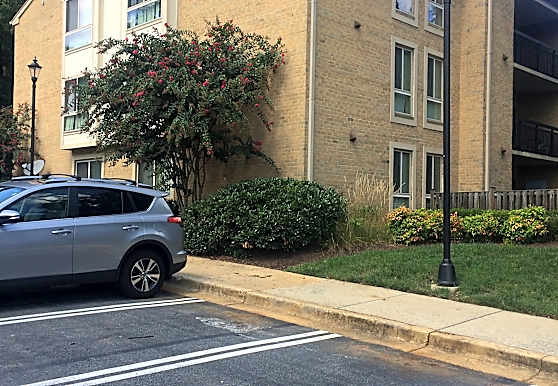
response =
{"points": [[312, 91], [488, 83]]}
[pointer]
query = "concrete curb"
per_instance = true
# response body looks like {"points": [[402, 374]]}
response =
{"points": [[379, 329]]}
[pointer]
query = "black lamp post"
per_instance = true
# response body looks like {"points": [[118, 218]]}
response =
{"points": [[34, 70], [446, 272]]}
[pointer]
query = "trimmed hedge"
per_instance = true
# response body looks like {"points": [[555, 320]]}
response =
{"points": [[264, 214], [517, 226]]}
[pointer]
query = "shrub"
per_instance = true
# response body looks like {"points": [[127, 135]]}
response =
{"points": [[526, 225], [368, 203], [422, 225], [553, 225], [265, 214], [482, 227]]}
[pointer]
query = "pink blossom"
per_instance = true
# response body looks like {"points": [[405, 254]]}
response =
{"points": [[160, 81], [206, 83], [140, 94], [223, 85], [135, 52]]}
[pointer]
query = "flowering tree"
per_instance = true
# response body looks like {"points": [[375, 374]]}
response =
{"points": [[13, 138], [180, 99]]}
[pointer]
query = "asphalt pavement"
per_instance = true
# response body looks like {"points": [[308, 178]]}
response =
{"points": [[92, 335]]}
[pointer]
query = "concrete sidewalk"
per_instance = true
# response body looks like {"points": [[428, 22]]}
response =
{"points": [[410, 322]]}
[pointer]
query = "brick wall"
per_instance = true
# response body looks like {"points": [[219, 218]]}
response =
{"points": [[286, 143], [40, 34]]}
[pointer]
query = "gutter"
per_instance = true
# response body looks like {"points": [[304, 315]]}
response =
{"points": [[488, 82], [312, 91]]}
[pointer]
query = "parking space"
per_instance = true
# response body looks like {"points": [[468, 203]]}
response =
{"points": [[93, 336]]}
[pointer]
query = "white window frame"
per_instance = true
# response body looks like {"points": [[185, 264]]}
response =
{"points": [[404, 119], [141, 5], [153, 177], [433, 28], [79, 29], [436, 152], [429, 123], [66, 114], [88, 159], [408, 18], [396, 146]]}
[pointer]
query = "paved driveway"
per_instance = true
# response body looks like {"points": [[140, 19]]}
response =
{"points": [[93, 336]]}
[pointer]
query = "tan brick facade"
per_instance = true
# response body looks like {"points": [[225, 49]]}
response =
{"points": [[355, 127]]}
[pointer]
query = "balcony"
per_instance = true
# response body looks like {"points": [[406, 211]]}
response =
{"points": [[535, 55], [536, 138]]}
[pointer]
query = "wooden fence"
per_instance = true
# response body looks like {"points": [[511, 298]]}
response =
{"points": [[493, 199]]}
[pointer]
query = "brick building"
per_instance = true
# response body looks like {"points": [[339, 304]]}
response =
{"points": [[362, 90]]}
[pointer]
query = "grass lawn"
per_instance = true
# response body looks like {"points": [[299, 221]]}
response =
{"points": [[510, 277]]}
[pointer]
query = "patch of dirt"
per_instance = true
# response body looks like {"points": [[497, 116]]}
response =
{"points": [[284, 260]]}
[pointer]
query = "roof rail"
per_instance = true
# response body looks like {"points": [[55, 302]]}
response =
{"points": [[56, 175], [23, 178]]}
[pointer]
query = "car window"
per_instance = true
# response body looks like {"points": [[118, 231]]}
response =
{"points": [[8, 192], [48, 204], [136, 202], [98, 202]]}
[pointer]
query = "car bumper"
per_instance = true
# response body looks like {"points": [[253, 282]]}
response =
{"points": [[179, 262]]}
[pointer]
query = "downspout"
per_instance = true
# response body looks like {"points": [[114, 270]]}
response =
{"points": [[312, 91], [488, 83]]}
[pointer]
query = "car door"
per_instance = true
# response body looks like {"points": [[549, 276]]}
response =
{"points": [[103, 233], [40, 244]]}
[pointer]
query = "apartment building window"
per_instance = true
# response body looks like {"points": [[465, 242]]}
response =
{"points": [[435, 13], [433, 178], [88, 168], [403, 95], [79, 16], [143, 11], [405, 11], [73, 118], [145, 173], [402, 174], [405, 6], [434, 99]]}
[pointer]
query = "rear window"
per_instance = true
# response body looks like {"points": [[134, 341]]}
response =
{"points": [[136, 202], [98, 202], [8, 192]]}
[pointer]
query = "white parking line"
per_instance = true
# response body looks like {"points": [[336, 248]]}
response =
{"points": [[237, 350], [95, 310]]}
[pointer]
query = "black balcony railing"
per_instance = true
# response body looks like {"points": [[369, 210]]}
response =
{"points": [[535, 138], [535, 55]]}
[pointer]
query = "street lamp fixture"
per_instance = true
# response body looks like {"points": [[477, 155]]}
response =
{"points": [[34, 71], [446, 271]]}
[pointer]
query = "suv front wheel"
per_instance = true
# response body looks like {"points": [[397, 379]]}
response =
{"points": [[142, 274]]}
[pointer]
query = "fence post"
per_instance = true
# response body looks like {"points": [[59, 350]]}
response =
{"points": [[491, 191]]}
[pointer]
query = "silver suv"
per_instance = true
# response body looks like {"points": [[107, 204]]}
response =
{"points": [[58, 229]]}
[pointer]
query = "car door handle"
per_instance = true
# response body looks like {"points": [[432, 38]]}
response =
{"points": [[61, 232], [130, 227]]}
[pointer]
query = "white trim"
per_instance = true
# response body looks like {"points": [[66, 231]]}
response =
{"points": [[412, 171], [404, 16], [428, 124], [311, 91], [487, 102], [397, 117], [432, 28], [435, 152], [88, 158], [534, 155], [535, 73], [22, 9]]}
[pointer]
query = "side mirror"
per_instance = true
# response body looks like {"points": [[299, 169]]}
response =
{"points": [[7, 216]]}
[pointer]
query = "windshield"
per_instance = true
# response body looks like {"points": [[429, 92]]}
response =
{"points": [[8, 191]]}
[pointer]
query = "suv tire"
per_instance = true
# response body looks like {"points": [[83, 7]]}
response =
{"points": [[142, 274]]}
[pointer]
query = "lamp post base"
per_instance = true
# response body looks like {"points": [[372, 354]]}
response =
{"points": [[446, 275]]}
